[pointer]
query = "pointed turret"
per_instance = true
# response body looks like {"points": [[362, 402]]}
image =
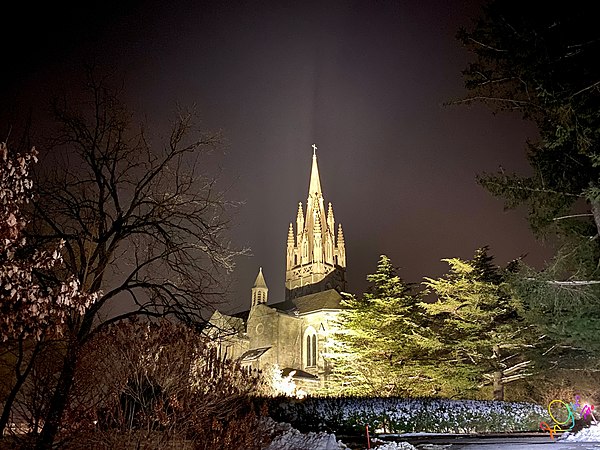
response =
{"points": [[340, 236], [317, 243], [260, 290], [317, 226], [329, 238], [290, 248], [341, 248], [299, 222], [330, 219]]}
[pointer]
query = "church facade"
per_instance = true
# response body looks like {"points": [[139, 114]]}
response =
{"points": [[293, 333]]}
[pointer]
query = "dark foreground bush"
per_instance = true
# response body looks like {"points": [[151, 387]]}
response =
{"points": [[157, 386], [242, 430]]}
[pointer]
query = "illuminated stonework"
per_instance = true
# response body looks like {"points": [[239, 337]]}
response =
{"points": [[294, 334], [315, 259]]}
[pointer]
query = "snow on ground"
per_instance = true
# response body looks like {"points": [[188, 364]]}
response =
{"points": [[591, 434], [396, 446], [294, 440], [288, 438]]}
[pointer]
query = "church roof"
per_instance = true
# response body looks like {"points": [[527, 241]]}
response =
{"points": [[299, 374], [329, 299], [254, 354]]}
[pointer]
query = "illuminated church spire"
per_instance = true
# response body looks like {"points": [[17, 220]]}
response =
{"points": [[314, 187], [260, 290], [314, 260]]}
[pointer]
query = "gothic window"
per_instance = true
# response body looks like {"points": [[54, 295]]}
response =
{"points": [[310, 347]]}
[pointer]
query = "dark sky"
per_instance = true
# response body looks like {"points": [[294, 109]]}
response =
{"points": [[364, 80]]}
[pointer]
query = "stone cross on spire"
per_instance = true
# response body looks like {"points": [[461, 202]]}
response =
{"points": [[314, 146]]}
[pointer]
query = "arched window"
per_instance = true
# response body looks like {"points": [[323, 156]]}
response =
{"points": [[310, 347]]}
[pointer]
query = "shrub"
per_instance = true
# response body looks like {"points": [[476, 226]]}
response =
{"points": [[401, 415]]}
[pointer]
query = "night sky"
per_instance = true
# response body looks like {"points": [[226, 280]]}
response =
{"points": [[364, 80]]}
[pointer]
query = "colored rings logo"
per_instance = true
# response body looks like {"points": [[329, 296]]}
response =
{"points": [[554, 409]]}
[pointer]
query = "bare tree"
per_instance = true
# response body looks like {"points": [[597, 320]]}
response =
{"points": [[139, 221]]}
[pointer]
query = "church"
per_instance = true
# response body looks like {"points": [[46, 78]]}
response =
{"points": [[293, 333]]}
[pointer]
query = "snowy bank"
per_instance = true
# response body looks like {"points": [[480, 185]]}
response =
{"points": [[396, 446], [285, 437], [591, 434]]}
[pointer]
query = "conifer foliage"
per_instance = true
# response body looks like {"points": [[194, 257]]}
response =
{"points": [[381, 339], [480, 335], [543, 63]]}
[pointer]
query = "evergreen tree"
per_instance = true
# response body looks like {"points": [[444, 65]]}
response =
{"points": [[480, 335], [543, 63], [382, 339]]}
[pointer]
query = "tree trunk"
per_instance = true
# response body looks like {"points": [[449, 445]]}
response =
{"points": [[596, 214], [20, 380], [498, 386], [59, 399]]}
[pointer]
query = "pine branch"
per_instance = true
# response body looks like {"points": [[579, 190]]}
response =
{"points": [[572, 216], [565, 283], [516, 367]]}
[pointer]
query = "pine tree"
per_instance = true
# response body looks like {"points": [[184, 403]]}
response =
{"points": [[542, 62], [381, 339], [477, 326]]}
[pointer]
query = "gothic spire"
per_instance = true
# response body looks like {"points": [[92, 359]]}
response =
{"points": [[315, 183], [314, 262]]}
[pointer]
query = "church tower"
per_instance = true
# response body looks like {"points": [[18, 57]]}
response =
{"points": [[259, 290], [315, 259]]}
